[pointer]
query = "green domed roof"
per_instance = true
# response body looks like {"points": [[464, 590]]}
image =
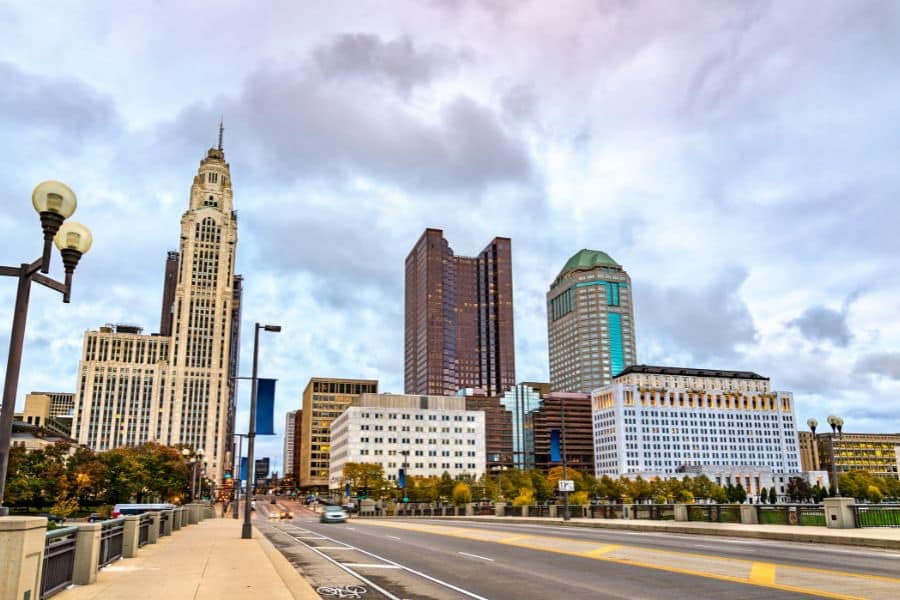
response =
{"points": [[588, 259]]}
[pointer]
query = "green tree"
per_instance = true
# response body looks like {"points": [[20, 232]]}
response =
{"points": [[873, 494], [462, 494], [773, 495], [764, 496]]}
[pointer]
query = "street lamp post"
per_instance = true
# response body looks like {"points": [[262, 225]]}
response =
{"points": [[236, 477], [405, 465], [813, 424], [247, 529], [837, 428], [499, 470], [194, 457], [562, 434], [55, 203]]}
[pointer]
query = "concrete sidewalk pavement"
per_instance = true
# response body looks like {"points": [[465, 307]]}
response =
{"points": [[874, 537], [205, 561]]}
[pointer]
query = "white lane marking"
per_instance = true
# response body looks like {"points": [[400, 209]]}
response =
{"points": [[369, 566], [311, 537], [393, 537], [351, 528], [476, 556], [404, 567], [335, 548], [342, 567]]}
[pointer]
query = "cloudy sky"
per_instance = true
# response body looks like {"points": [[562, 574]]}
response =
{"points": [[739, 159]]}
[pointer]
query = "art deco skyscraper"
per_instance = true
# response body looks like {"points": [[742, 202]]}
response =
{"points": [[590, 322], [175, 388], [459, 318]]}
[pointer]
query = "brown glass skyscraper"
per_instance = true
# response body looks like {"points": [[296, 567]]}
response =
{"points": [[459, 318]]}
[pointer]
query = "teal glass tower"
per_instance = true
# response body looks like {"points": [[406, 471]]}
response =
{"points": [[590, 323]]}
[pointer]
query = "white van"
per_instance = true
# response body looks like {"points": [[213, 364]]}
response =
{"points": [[137, 509]]}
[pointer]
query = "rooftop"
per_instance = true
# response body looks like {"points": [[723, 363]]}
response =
{"points": [[652, 370], [586, 259]]}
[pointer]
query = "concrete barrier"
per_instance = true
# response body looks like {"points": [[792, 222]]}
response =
{"points": [[193, 513], [167, 522], [839, 513], [681, 512], [22, 541], [153, 534], [87, 553], [131, 535], [749, 514]]}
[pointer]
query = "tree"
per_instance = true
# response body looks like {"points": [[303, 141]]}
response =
{"points": [[685, 497], [364, 476], [462, 494], [873, 494], [578, 498], [798, 489], [764, 496], [773, 495], [525, 498]]}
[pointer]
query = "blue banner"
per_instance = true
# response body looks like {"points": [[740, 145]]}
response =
{"points": [[243, 468], [401, 478], [265, 407], [555, 455]]}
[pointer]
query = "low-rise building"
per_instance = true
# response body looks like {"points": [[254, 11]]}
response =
{"points": [[51, 410], [562, 426], [872, 452], [663, 419], [429, 434]]}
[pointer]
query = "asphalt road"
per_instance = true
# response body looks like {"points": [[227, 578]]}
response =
{"points": [[424, 558]]}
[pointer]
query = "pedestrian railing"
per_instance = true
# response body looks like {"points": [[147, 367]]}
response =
{"points": [[144, 529], [876, 515], [655, 512], [791, 514], [539, 510], [59, 561], [576, 511], [112, 533], [512, 511], [714, 513], [607, 511]]}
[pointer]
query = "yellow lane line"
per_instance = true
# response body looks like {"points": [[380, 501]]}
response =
{"points": [[762, 573], [764, 579], [602, 550]]}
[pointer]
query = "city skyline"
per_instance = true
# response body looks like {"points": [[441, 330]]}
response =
{"points": [[731, 173]]}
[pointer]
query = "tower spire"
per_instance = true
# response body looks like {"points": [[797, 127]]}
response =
{"points": [[221, 130]]}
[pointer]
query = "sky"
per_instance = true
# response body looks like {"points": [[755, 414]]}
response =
{"points": [[739, 159]]}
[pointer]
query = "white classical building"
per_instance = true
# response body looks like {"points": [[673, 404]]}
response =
{"points": [[430, 434], [663, 420]]}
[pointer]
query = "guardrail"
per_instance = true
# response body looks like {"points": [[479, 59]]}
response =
{"points": [[112, 534], [791, 514], [714, 513], [876, 515], [655, 512], [144, 529], [607, 511], [59, 561]]}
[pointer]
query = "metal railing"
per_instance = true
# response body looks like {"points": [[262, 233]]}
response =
{"points": [[512, 511], [607, 511], [791, 514], [576, 511], [59, 561], [714, 513], [112, 533], [655, 512], [539, 510], [144, 529], [876, 515]]}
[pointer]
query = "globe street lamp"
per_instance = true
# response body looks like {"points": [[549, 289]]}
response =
{"points": [[813, 424], [246, 529], [54, 202], [837, 428], [193, 457], [498, 469]]}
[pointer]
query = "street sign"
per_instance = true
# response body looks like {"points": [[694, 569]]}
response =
{"points": [[567, 485]]}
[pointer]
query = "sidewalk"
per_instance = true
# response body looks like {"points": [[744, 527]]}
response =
{"points": [[872, 537], [204, 561]]}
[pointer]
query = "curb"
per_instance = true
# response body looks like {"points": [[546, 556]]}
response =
{"points": [[800, 536], [298, 587]]}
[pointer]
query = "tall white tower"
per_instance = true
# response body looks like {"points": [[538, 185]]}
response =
{"points": [[196, 410]]}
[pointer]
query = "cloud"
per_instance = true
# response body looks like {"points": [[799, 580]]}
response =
{"points": [[884, 364], [821, 324], [397, 62], [708, 321]]}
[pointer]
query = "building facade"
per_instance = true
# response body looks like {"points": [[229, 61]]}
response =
{"points": [[590, 323], [562, 426], [872, 452], [174, 389], [458, 328], [430, 435], [50, 410], [324, 399], [290, 428], [664, 420], [809, 451]]}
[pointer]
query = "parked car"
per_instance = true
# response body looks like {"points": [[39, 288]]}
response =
{"points": [[351, 507], [137, 509], [55, 519], [333, 514], [95, 517], [285, 514]]}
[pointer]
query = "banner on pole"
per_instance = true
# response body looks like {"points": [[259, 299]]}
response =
{"points": [[555, 455], [243, 468], [265, 407]]}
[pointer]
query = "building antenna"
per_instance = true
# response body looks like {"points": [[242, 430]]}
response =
{"points": [[221, 130]]}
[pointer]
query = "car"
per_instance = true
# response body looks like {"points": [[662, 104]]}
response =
{"points": [[95, 517], [56, 519], [351, 507], [273, 500], [333, 514], [285, 514]]}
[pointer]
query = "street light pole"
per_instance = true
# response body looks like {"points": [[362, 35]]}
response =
{"points": [[236, 477], [837, 428], [247, 529], [54, 202]]}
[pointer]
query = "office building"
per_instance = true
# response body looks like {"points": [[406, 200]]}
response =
{"points": [[663, 420], [590, 323], [290, 430], [562, 426], [498, 426], [50, 410], [458, 318], [174, 389], [809, 451], [430, 435], [872, 452], [324, 399]]}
